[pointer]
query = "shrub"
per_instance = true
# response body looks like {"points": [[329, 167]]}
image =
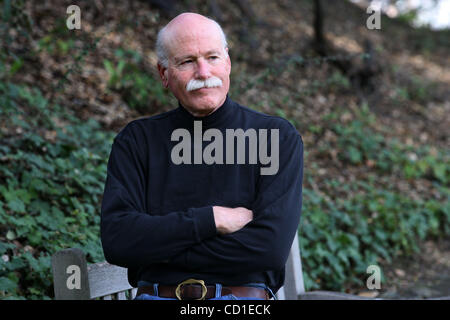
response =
{"points": [[340, 238], [52, 180], [139, 89]]}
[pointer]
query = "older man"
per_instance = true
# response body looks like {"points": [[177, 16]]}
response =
{"points": [[186, 223]]}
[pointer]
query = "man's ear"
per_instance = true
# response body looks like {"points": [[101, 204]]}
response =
{"points": [[228, 58], [163, 75]]}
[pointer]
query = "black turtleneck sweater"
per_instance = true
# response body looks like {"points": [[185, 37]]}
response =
{"points": [[157, 217]]}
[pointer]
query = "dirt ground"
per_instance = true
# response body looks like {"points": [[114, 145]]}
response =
{"points": [[424, 275]]}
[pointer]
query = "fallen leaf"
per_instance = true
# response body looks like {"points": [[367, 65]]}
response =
{"points": [[369, 294], [399, 272]]}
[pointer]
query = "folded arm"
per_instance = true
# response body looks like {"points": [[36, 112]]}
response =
{"points": [[130, 236], [264, 243]]}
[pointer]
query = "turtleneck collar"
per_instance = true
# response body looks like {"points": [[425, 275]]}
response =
{"points": [[214, 120]]}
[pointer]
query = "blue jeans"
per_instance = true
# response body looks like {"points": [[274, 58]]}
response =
{"points": [[146, 296]]}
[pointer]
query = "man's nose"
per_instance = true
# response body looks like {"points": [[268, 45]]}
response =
{"points": [[203, 70]]}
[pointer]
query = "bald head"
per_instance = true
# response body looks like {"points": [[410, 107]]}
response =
{"points": [[185, 26], [193, 62]]}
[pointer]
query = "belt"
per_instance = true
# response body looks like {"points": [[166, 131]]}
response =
{"points": [[198, 292]]}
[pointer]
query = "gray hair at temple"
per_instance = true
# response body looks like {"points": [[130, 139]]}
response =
{"points": [[161, 45]]}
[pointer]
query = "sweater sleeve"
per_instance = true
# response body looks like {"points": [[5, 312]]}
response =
{"points": [[132, 237], [265, 242]]}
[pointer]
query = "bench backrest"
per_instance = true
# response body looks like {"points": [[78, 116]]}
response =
{"points": [[74, 279]]}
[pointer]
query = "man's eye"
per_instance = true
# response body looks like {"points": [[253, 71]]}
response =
{"points": [[213, 57], [186, 62]]}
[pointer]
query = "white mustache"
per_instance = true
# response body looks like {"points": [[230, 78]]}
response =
{"points": [[195, 84]]}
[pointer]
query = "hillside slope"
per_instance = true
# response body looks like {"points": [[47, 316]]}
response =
{"points": [[373, 109]]}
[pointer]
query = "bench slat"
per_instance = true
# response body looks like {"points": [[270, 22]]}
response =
{"points": [[280, 294], [293, 284], [331, 295], [133, 293], [121, 296], [106, 279], [70, 280]]}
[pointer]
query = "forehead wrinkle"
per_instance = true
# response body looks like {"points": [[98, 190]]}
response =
{"points": [[198, 53], [190, 44]]}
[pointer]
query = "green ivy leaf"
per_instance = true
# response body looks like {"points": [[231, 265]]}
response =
{"points": [[8, 285]]}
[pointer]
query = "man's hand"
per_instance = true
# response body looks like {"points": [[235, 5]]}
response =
{"points": [[230, 220]]}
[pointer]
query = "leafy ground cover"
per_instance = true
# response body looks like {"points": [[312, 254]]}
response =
{"points": [[52, 179]]}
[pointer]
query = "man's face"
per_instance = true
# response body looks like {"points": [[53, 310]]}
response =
{"points": [[197, 53]]}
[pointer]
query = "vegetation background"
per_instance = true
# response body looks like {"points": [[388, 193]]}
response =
{"points": [[372, 107]]}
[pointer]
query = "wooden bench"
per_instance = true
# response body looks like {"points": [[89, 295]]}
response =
{"points": [[74, 279]]}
